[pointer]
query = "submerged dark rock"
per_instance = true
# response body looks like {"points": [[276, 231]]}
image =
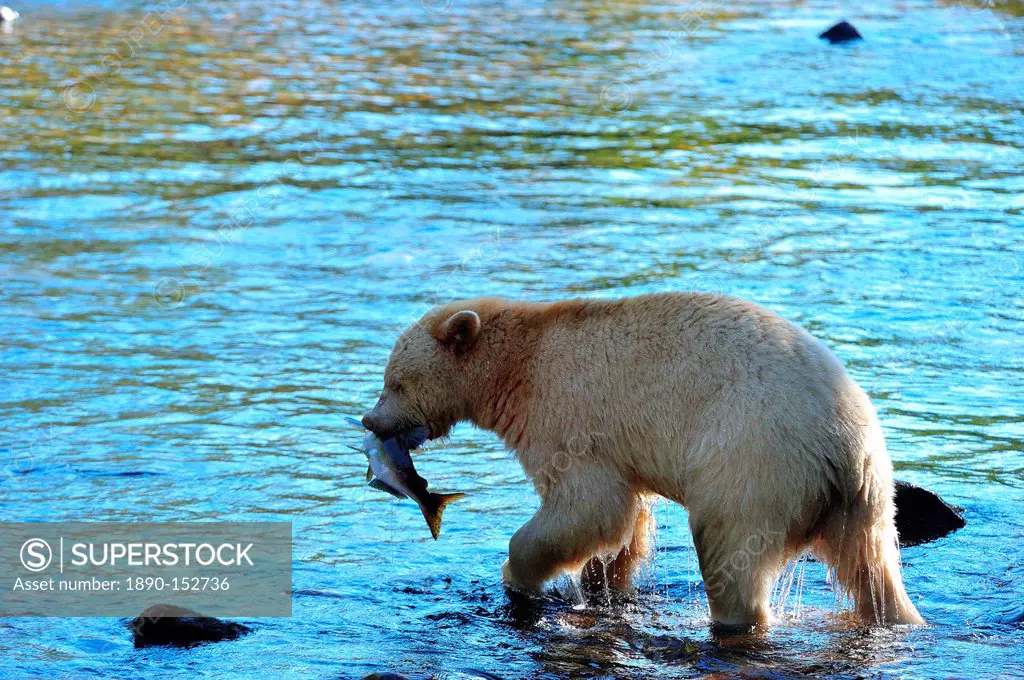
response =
{"points": [[165, 625], [841, 32], [385, 676], [921, 516]]}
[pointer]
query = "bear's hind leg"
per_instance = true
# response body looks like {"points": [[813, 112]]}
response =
{"points": [[739, 565], [859, 544], [617, 574], [588, 511]]}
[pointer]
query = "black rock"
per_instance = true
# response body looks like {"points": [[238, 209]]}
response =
{"points": [[841, 32], [921, 516], [166, 625], [385, 676]]}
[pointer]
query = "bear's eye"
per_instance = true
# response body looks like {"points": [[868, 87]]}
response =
{"points": [[395, 387]]}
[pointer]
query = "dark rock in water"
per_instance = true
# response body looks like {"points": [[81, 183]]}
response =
{"points": [[169, 626], [921, 516], [385, 676], [841, 32]]}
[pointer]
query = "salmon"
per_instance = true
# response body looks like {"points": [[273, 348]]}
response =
{"points": [[391, 470]]}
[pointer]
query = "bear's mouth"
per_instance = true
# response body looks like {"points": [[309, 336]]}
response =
{"points": [[437, 429], [413, 437]]}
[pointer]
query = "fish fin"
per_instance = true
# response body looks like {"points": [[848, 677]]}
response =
{"points": [[386, 488], [434, 507], [369, 472]]}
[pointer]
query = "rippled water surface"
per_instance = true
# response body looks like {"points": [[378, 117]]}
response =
{"points": [[215, 217]]}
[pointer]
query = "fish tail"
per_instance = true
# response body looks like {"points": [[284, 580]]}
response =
{"points": [[434, 508]]}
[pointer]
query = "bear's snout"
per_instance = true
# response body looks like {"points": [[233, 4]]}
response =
{"points": [[380, 421], [374, 424]]}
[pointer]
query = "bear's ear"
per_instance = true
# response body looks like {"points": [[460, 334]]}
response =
{"points": [[461, 330]]}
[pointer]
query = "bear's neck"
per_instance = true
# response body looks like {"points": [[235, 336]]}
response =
{"points": [[505, 374]]}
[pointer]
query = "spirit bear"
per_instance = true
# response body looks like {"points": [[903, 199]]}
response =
{"points": [[711, 401]]}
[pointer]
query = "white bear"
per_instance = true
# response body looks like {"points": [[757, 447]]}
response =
{"points": [[710, 401]]}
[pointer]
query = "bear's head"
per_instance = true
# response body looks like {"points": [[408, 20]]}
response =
{"points": [[427, 382]]}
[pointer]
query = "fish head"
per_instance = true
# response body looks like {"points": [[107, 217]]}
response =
{"points": [[372, 445], [425, 380]]}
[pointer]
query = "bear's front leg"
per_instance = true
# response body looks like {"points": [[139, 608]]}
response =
{"points": [[586, 511], [617, 574]]}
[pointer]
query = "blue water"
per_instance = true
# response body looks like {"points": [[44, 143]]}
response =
{"points": [[211, 235]]}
